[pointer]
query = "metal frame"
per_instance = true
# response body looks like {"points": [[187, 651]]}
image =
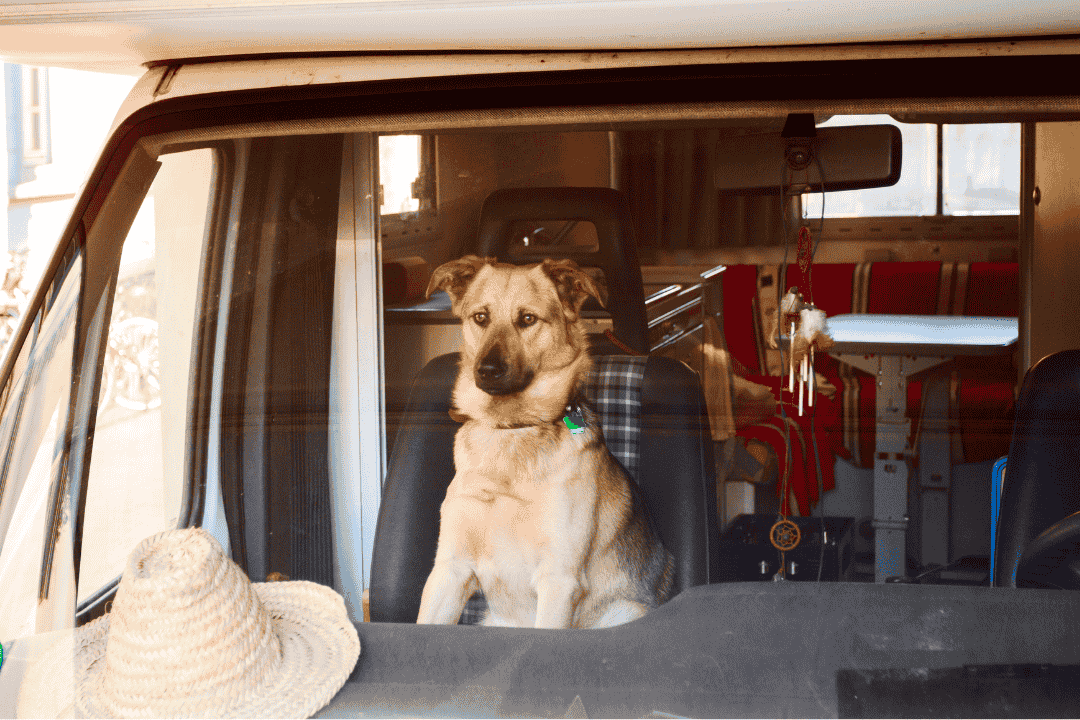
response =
{"points": [[357, 443], [892, 455]]}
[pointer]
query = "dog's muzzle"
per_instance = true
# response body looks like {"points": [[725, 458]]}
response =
{"points": [[494, 375]]}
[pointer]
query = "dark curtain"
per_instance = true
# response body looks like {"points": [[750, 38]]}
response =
{"points": [[275, 410], [670, 176]]}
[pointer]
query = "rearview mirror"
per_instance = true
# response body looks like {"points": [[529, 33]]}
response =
{"points": [[851, 157]]}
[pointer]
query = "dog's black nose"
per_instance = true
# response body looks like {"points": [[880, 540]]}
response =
{"points": [[494, 375], [491, 368]]}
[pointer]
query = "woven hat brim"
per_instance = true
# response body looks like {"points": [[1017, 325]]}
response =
{"points": [[319, 644]]}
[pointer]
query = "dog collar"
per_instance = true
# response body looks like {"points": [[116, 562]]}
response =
{"points": [[574, 419]]}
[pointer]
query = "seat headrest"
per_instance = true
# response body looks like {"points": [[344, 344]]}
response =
{"points": [[609, 211]]}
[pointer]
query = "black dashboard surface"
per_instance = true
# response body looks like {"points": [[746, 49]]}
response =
{"points": [[726, 650]]}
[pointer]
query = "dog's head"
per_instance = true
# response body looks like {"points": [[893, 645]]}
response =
{"points": [[517, 322]]}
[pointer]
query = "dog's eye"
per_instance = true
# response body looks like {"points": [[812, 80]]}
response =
{"points": [[528, 319], [480, 318]]}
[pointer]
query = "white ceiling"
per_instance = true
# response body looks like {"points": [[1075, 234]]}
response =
{"points": [[121, 35]]}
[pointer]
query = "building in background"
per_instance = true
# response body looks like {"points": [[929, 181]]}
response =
{"points": [[57, 121]]}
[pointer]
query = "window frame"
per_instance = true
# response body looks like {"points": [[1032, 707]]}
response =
{"points": [[57, 522], [34, 77], [401, 231], [21, 114]]}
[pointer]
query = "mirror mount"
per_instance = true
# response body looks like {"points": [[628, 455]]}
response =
{"points": [[799, 131]]}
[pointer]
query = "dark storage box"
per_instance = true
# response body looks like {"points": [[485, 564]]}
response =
{"points": [[746, 553]]}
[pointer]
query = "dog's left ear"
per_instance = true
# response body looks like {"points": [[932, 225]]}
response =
{"points": [[573, 284]]}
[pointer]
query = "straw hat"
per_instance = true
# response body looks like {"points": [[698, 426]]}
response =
{"points": [[190, 636]]}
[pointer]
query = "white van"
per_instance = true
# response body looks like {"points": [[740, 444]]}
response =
{"points": [[233, 334]]}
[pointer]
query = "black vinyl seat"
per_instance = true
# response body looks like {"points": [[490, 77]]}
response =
{"points": [[1039, 526], [609, 212], [674, 469]]}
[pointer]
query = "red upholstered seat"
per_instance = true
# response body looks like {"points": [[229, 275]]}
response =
{"points": [[802, 484], [740, 289], [993, 290], [829, 286], [987, 408], [986, 384], [892, 288], [986, 398], [803, 480], [895, 288]]}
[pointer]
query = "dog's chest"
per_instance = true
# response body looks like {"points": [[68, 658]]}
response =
{"points": [[508, 484], [517, 460]]}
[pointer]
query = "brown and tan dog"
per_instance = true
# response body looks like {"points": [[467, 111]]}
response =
{"points": [[544, 521]]}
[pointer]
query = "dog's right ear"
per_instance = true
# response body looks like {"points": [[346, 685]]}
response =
{"points": [[454, 277], [573, 284]]}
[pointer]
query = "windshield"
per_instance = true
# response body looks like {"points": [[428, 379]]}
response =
{"points": [[317, 336]]}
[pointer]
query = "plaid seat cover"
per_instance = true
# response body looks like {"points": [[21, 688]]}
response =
{"points": [[614, 389]]}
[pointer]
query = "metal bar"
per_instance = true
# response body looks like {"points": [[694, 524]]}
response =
{"points": [[708, 274], [673, 313], [675, 338], [935, 469], [661, 294], [563, 232], [890, 470]]}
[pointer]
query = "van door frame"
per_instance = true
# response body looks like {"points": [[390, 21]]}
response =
{"points": [[357, 442]]}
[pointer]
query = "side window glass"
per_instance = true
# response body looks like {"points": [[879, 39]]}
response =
{"points": [[913, 195], [981, 169], [35, 419], [947, 170], [400, 167], [137, 461]]}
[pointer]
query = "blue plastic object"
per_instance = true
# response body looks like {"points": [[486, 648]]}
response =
{"points": [[997, 480]]}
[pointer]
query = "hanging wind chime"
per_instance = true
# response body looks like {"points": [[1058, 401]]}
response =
{"points": [[806, 335]]}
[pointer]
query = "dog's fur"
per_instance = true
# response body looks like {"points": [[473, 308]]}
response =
{"points": [[545, 522]]}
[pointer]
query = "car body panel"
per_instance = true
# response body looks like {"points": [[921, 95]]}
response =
{"points": [[185, 78], [120, 36]]}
